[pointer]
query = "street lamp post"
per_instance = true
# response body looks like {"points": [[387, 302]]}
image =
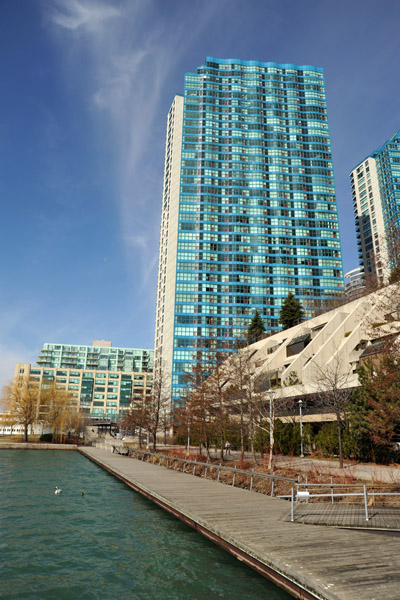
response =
{"points": [[271, 427], [301, 428]]}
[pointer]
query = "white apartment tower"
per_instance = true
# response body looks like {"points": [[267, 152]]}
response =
{"points": [[375, 184], [164, 330], [370, 226]]}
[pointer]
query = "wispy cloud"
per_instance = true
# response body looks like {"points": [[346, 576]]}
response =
{"points": [[75, 14], [8, 358], [132, 50], [13, 346], [126, 70]]}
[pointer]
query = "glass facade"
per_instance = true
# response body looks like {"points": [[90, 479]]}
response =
{"points": [[249, 213], [388, 170]]}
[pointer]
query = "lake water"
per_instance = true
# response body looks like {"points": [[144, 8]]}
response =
{"points": [[110, 543]]}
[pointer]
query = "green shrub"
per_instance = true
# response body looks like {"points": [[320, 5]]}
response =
{"points": [[286, 437], [326, 439]]}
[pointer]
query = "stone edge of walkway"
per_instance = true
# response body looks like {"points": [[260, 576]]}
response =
{"points": [[36, 446]]}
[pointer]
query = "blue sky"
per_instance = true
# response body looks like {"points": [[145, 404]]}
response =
{"points": [[86, 87]]}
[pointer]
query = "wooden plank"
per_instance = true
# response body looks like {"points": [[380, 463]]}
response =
{"points": [[313, 561]]}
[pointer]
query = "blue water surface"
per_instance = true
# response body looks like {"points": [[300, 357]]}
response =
{"points": [[109, 543]]}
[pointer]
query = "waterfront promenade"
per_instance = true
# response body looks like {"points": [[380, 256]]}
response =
{"points": [[309, 561]]}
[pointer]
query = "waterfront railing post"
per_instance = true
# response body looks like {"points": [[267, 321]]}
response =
{"points": [[173, 462], [366, 503], [292, 506]]}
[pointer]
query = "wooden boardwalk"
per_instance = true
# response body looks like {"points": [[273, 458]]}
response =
{"points": [[309, 561]]}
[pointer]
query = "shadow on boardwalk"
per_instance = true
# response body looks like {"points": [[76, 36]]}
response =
{"points": [[347, 515]]}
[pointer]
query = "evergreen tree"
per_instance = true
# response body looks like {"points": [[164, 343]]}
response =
{"points": [[292, 312], [395, 274], [375, 419], [256, 329]]}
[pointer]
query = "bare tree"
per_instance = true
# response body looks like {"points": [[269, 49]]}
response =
{"points": [[334, 393], [388, 261], [322, 305], [265, 407], [217, 396], [149, 414], [381, 322], [58, 409], [158, 405], [244, 395], [384, 262], [196, 415], [237, 393], [20, 401], [135, 420], [270, 401]]}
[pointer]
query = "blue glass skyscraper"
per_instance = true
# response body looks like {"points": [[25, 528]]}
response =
{"points": [[249, 208]]}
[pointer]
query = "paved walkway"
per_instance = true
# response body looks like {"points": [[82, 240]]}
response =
{"points": [[366, 472], [309, 561]]}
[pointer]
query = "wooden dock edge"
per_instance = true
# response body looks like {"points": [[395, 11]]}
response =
{"points": [[271, 571]]}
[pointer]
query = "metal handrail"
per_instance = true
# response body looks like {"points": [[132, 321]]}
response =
{"points": [[305, 495], [207, 465], [307, 484]]}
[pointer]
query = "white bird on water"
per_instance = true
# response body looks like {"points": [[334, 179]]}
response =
{"points": [[58, 490]]}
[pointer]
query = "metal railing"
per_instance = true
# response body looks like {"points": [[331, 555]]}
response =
{"points": [[172, 462], [304, 494]]}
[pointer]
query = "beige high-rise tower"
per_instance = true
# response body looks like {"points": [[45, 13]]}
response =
{"points": [[164, 330]]}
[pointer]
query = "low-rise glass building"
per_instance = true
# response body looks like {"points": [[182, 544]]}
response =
{"points": [[99, 394], [101, 355]]}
